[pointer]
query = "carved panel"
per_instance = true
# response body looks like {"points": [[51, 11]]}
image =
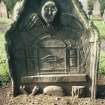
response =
{"points": [[52, 56], [53, 59], [73, 57]]}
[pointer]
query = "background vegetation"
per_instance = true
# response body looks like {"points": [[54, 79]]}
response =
{"points": [[3, 60], [102, 2], [101, 27], [4, 76], [102, 63], [10, 5]]}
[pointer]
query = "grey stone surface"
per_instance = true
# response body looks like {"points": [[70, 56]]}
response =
{"points": [[104, 16], [35, 90], [53, 91], [97, 8], [16, 9], [55, 78], [78, 91], [3, 9], [85, 5], [50, 43]]}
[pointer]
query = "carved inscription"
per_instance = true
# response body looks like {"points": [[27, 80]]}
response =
{"points": [[52, 56]]}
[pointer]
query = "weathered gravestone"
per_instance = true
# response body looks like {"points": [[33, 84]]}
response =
{"points": [[3, 9], [85, 5], [17, 9], [97, 8], [103, 16], [52, 43]]}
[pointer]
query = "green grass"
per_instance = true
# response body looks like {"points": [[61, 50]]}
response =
{"points": [[5, 21], [4, 74], [2, 47], [3, 58], [102, 62], [101, 27]]}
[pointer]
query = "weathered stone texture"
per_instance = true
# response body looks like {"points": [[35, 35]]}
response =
{"points": [[53, 91], [3, 10]]}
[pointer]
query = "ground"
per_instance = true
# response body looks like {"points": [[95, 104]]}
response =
{"points": [[7, 99]]}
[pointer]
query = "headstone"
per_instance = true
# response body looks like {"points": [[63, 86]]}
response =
{"points": [[53, 91], [96, 8], [17, 8], [103, 16], [78, 91], [3, 9], [23, 90], [35, 90], [85, 5], [49, 45]]}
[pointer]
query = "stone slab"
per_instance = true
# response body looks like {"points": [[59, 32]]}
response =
{"points": [[54, 78], [53, 91]]}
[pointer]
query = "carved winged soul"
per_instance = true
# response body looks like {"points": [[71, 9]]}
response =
{"points": [[49, 11]]}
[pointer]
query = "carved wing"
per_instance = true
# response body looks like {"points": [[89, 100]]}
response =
{"points": [[72, 22], [33, 21]]}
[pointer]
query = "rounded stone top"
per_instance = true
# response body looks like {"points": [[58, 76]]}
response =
{"points": [[53, 91]]}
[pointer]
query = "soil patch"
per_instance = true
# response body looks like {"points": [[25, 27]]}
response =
{"points": [[7, 99]]}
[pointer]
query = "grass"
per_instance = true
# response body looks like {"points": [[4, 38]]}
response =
{"points": [[102, 62], [2, 47], [5, 21], [101, 27], [3, 58]]}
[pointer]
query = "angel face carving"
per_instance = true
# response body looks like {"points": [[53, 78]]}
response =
{"points": [[48, 12]]}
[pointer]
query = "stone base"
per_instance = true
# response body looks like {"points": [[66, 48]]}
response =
{"points": [[63, 81], [54, 78], [53, 91], [78, 91]]}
